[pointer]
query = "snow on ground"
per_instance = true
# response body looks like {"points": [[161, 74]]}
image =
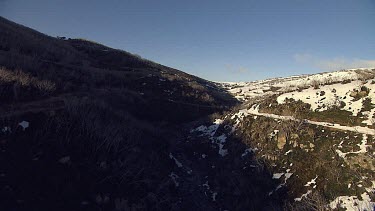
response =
{"points": [[312, 182], [179, 165], [286, 175], [277, 175], [214, 196], [353, 203], [254, 110], [174, 178], [371, 113], [6, 130], [24, 124], [348, 201], [206, 185], [326, 96], [321, 91], [220, 142], [289, 151], [211, 132], [347, 89], [362, 148], [303, 196], [248, 90]]}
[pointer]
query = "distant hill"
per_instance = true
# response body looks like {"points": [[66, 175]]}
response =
{"points": [[316, 132]]}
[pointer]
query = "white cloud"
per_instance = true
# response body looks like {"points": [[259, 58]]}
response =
{"points": [[337, 63]]}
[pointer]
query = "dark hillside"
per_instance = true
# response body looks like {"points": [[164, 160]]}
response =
{"points": [[87, 127], [36, 66]]}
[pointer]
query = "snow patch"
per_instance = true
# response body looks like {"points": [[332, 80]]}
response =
{"points": [[179, 165], [174, 178], [214, 196], [303, 196], [6, 130], [353, 203], [312, 182], [24, 124], [362, 146], [277, 175]]}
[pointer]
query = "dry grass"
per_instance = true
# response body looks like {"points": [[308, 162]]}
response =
{"points": [[25, 79]]}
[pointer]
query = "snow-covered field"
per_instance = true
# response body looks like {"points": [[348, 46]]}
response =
{"points": [[248, 90]]}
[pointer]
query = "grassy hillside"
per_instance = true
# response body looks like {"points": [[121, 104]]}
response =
{"points": [[36, 66], [87, 127]]}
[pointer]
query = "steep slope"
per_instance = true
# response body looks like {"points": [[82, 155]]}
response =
{"points": [[316, 132], [87, 127], [43, 66]]}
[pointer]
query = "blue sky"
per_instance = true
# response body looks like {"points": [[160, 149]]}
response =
{"points": [[216, 39]]}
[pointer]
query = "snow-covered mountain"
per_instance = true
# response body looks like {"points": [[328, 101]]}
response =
{"points": [[316, 132]]}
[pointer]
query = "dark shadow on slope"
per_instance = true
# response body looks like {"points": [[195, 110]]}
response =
{"points": [[209, 181], [101, 137], [102, 142]]}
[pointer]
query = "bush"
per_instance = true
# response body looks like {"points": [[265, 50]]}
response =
{"points": [[315, 84]]}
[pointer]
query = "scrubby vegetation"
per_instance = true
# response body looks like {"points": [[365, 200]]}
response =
{"points": [[85, 157], [308, 152], [87, 127], [315, 134]]}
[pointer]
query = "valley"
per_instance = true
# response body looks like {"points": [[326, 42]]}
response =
{"points": [[87, 127]]}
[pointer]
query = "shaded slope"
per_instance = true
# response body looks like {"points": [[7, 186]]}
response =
{"points": [[86, 67], [100, 124]]}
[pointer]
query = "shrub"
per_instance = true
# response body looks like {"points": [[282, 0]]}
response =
{"points": [[315, 84]]}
